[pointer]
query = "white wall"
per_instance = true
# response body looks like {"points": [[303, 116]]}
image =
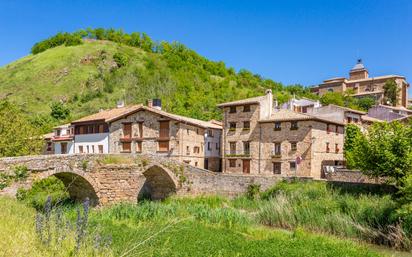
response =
{"points": [[58, 148], [217, 134], [92, 140]]}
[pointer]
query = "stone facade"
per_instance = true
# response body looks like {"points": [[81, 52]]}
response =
{"points": [[363, 85], [142, 176], [264, 142], [184, 142]]}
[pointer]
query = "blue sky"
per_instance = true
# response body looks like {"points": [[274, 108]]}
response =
{"points": [[288, 41]]}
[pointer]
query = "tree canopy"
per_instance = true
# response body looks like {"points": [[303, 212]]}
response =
{"points": [[17, 135]]}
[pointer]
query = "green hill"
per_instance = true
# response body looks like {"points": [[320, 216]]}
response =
{"points": [[97, 73]]}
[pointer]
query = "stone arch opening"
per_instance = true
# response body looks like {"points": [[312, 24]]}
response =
{"points": [[79, 188], [158, 185]]}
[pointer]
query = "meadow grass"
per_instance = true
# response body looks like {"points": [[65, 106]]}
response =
{"points": [[18, 235], [315, 207]]}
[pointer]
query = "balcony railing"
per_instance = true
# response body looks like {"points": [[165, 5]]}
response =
{"points": [[234, 153]]}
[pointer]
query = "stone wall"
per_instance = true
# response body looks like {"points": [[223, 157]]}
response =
{"points": [[352, 176]]}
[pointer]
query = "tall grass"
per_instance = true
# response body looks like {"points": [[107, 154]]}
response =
{"points": [[19, 234], [315, 207]]}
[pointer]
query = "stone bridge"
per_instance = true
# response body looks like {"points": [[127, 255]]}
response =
{"points": [[107, 179]]}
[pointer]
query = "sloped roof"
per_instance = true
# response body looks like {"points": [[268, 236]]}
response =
{"points": [[348, 109], [118, 113], [288, 115], [400, 108], [370, 119], [108, 115], [253, 100]]}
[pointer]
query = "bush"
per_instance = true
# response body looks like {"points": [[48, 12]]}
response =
{"points": [[20, 173], [121, 59], [41, 189], [253, 191]]}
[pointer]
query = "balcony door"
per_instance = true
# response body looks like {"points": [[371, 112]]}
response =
{"points": [[246, 166]]}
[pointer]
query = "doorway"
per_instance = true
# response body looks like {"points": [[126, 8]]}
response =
{"points": [[246, 166]]}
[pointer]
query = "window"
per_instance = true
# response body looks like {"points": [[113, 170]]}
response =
{"points": [[164, 129], [277, 166], [80, 149], [277, 150], [126, 147], [337, 129], [58, 132], [246, 148], [292, 166], [64, 148], [330, 90], [49, 146], [92, 148], [127, 130], [100, 148], [87, 149], [163, 146], [349, 120], [328, 128], [187, 150], [246, 125], [101, 128], [188, 131], [195, 164], [294, 125], [210, 132], [232, 109], [232, 163], [209, 146], [277, 126], [232, 126], [138, 147], [336, 148], [140, 127], [217, 146], [67, 131], [196, 149], [293, 146], [246, 108], [327, 147], [232, 147], [355, 120]]}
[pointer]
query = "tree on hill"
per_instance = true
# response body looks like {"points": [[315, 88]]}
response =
{"points": [[59, 111], [17, 136]]}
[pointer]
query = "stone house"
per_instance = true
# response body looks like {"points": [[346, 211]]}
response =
{"points": [[140, 129], [363, 85], [260, 139]]}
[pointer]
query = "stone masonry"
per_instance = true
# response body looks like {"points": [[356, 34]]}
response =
{"points": [[142, 176]]}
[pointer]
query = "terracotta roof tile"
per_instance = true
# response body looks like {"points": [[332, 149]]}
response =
{"points": [[108, 115], [243, 101], [288, 115]]}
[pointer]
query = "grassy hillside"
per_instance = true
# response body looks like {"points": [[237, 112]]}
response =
{"points": [[97, 73]]}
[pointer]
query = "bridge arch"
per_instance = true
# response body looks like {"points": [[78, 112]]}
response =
{"points": [[79, 185], [159, 183]]}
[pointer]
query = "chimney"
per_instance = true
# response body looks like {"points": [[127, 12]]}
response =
{"points": [[268, 109], [120, 104], [157, 104], [149, 103]]}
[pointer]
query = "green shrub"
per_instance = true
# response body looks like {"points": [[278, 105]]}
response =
{"points": [[253, 191], [121, 59], [21, 172], [37, 195]]}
